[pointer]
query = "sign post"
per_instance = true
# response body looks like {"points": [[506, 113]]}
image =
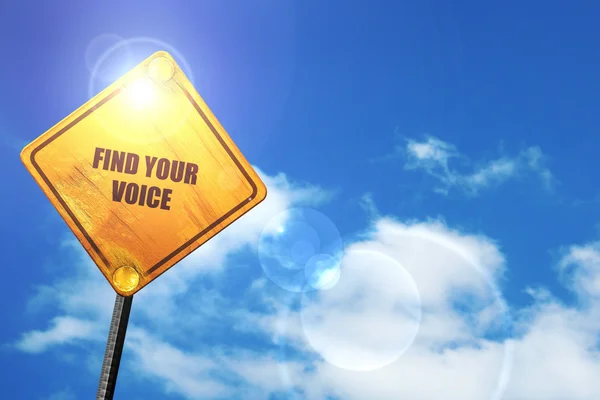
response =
{"points": [[114, 348], [143, 174]]}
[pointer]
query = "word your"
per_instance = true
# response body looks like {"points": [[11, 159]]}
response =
{"points": [[144, 195]]}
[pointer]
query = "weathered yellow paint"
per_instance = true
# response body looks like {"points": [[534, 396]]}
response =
{"points": [[152, 111]]}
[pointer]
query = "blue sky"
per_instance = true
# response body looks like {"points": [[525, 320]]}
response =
{"points": [[451, 147]]}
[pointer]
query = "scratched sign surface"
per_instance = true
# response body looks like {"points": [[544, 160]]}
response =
{"points": [[143, 174]]}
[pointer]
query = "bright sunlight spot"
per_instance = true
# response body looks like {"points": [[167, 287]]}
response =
{"points": [[141, 92]]}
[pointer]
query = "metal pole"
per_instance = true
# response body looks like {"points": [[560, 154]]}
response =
{"points": [[114, 348]]}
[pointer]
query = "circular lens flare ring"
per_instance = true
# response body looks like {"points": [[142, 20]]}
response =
{"points": [[298, 247], [322, 271], [371, 316], [287, 327], [161, 69]]}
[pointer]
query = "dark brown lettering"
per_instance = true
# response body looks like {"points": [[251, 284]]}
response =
{"points": [[131, 163], [190, 173], [118, 189], [165, 199], [142, 199], [152, 201], [177, 170], [150, 161], [106, 162], [131, 193], [162, 169], [97, 157], [117, 161]]}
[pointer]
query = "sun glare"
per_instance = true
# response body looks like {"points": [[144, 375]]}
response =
{"points": [[141, 92]]}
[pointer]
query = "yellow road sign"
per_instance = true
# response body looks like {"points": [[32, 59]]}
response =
{"points": [[143, 174]]}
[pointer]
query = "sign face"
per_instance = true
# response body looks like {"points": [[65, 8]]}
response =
{"points": [[143, 174]]}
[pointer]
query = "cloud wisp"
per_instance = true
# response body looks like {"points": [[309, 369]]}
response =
{"points": [[455, 171]]}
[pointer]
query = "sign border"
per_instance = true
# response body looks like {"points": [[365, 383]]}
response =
{"points": [[195, 238]]}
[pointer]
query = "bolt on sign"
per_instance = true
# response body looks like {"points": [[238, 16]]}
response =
{"points": [[143, 174]]}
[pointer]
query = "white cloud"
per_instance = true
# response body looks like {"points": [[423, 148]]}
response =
{"points": [[557, 355], [460, 348], [581, 269], [554, 355], [368, 204], [435, 157], [432, 150], [263, 372], [183, 373], [370, 318], [63, 330]]}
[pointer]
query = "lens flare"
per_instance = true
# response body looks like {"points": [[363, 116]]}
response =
{"points": [[322, 271], [161, 69], [354, 326], [113, 66], [120, 58], [141, 93], [369, 318], [298, 248]]}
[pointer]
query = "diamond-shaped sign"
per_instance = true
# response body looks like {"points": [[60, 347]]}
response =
{"points": [[143, 174]]}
